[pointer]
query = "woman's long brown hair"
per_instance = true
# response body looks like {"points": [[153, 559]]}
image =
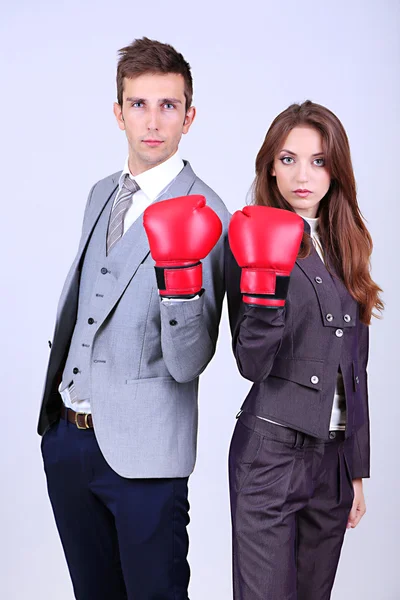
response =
{"points": [[344, 236]]}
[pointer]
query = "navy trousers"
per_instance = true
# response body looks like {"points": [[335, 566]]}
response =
{"points": [[291, 495], [122, 538]]}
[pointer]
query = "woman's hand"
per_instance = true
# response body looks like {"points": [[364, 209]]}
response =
{"points": [[358, 509]]}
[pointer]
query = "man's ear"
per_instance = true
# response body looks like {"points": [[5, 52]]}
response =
{"points": [[189, 118], [119, 116]]}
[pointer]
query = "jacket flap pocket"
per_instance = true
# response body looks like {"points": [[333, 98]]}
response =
{"points": [[302, 371]]}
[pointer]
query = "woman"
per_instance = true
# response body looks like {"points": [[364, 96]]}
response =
{"points": [[300, 299]]}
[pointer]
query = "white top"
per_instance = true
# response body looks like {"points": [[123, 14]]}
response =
{"points": [[338, 414], [151, 183]]}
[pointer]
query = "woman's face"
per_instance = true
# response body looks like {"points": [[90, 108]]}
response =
{"points": [[299, 168]]}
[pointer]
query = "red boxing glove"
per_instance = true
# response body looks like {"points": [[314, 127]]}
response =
{"points": [[265, 242], [181, 231]]}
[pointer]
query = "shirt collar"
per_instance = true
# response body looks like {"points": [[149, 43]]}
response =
{"points": [[153, 181]]}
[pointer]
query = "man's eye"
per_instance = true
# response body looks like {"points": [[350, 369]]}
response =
{"points": [[169, 105], [319, 162], [287, 160], [137, 104]]}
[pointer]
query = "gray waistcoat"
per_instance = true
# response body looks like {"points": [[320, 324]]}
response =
{"points": [[98, 279]]}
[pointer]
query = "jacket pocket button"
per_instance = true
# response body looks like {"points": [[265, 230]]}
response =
{"points": [[318, 279], [314, 379], [329, 317], [347, 318], [339, 332]]}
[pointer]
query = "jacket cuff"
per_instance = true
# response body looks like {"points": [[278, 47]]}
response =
{"points": [[181, 312]]}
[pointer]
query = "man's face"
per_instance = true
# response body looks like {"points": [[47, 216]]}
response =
{"points": [[153, 117]]}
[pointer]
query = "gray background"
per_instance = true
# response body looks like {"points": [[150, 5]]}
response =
{"points": [[249, 62]]}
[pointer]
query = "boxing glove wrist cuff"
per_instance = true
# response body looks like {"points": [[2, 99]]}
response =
{"points": [[261, 282], [263, 302], [179, 281]]}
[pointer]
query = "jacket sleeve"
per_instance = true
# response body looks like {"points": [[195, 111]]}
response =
{"points": [[189, 330], [361, 453], [256, 332]]}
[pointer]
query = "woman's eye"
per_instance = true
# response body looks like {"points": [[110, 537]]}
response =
{"points": [[287, 160], [319, 162]]}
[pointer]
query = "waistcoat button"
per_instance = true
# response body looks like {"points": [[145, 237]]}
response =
{"points": [[318, 279], [173, 322], [75, 370], [90, 321], [104, 271], [347, 318], [329, 317], [314, 379], [339, 332]]}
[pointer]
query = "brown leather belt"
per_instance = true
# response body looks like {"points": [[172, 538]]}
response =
{"points": [[81, 420]]}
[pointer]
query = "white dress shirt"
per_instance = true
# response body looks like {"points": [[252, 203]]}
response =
{"points": [[338, 414], [152, 183]]}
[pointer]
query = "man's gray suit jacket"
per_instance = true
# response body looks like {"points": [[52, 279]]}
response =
{"points": [[144, 389]]}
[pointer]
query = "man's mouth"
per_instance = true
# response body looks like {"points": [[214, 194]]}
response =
{"points": [[153, 143]]}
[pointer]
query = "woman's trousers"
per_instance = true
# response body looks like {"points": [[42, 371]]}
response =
{"points": [[291, 495]]}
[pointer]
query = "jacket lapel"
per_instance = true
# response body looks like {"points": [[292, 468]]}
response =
{"points": [[140, 248], [321, 280], [348, 303], [333, 297], [101, 195]]}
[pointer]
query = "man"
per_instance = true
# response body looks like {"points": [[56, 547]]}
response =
{"points": [[119, 410]]}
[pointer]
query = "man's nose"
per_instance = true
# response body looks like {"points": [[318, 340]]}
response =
{"points": [[153, 119]]}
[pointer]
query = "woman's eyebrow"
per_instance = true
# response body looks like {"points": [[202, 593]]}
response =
{"points": [[294, 154]]}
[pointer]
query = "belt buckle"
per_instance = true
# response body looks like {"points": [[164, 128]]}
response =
{"points": [[86, 425]]}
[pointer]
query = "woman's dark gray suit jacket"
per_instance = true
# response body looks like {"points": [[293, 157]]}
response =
{"points": [[293, 354]]}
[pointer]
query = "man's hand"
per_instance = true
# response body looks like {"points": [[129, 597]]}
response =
{"points": [[358, 509], [181, 231]]}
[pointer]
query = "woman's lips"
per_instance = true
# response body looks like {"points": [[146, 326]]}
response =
{"points": [[302, 193]]}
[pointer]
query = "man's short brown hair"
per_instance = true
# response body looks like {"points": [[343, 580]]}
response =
{"points": [[149, 56]]}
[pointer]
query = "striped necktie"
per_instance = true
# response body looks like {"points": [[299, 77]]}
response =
{"points": [[121, 206]]}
